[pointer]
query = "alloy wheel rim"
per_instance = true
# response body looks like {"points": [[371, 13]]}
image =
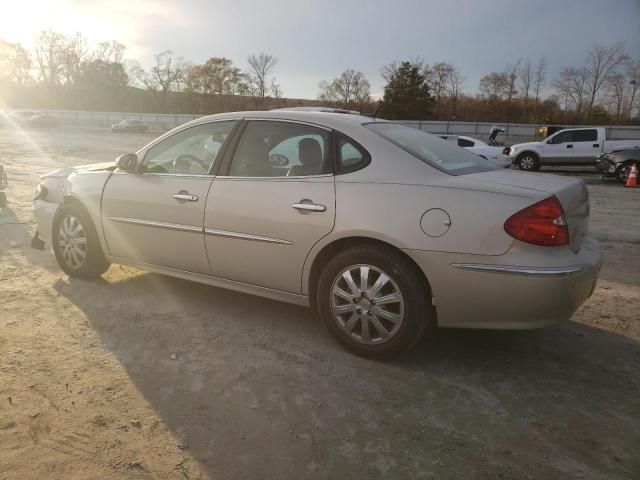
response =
{"points": [[72, 241], [367, 304], [527, 163]]}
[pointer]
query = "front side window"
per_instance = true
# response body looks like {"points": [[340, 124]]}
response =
{"points": [[431, 149], [563, 137], [590, 135], [189, 152], [279, 149]]}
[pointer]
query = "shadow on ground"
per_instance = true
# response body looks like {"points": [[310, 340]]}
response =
{"points": [[257, 389]]}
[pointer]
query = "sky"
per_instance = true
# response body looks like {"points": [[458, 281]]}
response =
{"points": [[316, 40]]}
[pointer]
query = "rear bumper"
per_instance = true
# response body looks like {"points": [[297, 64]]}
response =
{"points": [[498, 293], [43, 213]]}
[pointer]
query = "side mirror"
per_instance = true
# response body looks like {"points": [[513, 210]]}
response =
{"points": [[278, 160], [127, 162]]}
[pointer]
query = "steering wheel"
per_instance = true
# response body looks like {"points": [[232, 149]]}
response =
{"points": [[184, 161]]}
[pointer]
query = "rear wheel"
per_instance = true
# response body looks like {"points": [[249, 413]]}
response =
{"points": [[373, 301], [528, 161], [622, 173], [76, 245]]}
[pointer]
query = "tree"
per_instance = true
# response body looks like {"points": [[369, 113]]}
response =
{"points": [[602, 63], [495, 85], [349, 90], [571, 85], [616, 90], [407, 95], [15, 63], [455, 80], [72, 53], [525, 84], [539, 78], [633, 73], [48, 50], [512, 73], [260, 66]]}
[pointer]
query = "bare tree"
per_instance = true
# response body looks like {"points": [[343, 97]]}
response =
{"points": [[494, 86], [109, 52], [15, 63], [260, 66], [74, 50], [166, 74], [539, 77], [572, 87], [438, 76], [349, 89], [48, 50], [525, 84], [616, 90], [276, 90], [455, 80], [602, 63], [512, 74], [633, 73]]}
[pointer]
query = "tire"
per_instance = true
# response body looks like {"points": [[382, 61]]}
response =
{"points": [[75, 243], [404, 320], [528, 161], [623, 171]]}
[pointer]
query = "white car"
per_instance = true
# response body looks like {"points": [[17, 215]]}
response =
{"points": [[481, 148]]}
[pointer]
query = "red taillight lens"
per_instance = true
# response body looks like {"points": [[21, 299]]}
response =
{"points": [[540, 224]]}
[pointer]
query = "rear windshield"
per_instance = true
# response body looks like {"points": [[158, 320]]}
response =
{"points": [[431, 149]]}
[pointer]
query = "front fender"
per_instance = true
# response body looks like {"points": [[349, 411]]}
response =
{"points": [[86, 188]]}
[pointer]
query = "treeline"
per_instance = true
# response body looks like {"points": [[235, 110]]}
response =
{"points": [[69, 72]]}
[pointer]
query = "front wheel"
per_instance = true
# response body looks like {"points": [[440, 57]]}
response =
{"points": [[528, 162], [373, 301], [76, 245]]}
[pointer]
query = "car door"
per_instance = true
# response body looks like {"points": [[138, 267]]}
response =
{"points": [[155, 215], [272, 201], [585, 146], [559, 148]]}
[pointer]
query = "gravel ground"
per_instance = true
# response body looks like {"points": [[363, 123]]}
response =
{"points": [[137, 376]]}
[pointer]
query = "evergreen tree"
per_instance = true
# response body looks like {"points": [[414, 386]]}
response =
{"points": [[407, 95]]}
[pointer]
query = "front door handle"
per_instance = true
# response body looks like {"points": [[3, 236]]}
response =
{"points": [[184, 196], [596, 145], [309, 206]]}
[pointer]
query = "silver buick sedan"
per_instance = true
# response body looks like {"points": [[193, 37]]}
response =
{"points": [[384, 229]]}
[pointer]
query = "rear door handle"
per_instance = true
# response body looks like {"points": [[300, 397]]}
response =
{"points": [[569, 146], [308, 206], [184, 196], [596, 145]]}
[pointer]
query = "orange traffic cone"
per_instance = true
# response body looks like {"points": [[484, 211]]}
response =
{"points": [[632, 179]]}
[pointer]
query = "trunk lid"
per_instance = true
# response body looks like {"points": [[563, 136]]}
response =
{"points": [[571, 192]]}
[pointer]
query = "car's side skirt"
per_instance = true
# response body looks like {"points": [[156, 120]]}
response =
{"points": [[272, 294]]}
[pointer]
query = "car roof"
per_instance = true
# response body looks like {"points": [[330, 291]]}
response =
{"points": [[321, 118]]}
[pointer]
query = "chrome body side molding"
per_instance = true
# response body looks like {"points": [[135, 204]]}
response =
{"points": [[154, 224], [278, 295], [525, 271], [245, 236]]}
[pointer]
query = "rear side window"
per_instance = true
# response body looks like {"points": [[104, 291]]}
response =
{"points": [[463, 142], [351, 156], [431, 149], [590, 135]]}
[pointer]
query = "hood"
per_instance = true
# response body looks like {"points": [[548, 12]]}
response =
{"points": [[522, 146], [65, 172]]}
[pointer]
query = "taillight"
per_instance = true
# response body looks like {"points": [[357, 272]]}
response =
{"points": [[540, 224]]}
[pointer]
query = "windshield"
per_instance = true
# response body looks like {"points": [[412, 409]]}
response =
{"points": [[431, 149]]}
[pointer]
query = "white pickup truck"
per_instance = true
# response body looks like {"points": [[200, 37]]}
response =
{"points": [[572, 146]]}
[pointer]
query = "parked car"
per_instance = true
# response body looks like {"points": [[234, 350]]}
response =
{"points": [[22, 116], [4, 183], [131, 126], [385, 229], [572, 146], [494, 154], [42, 120], [618, 164]]}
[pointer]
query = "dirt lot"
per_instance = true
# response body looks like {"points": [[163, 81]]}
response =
{"points": [[137, 376]]}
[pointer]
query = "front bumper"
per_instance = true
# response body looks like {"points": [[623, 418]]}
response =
{"points": [[473, 291], [606, 166], [43, 213]]}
